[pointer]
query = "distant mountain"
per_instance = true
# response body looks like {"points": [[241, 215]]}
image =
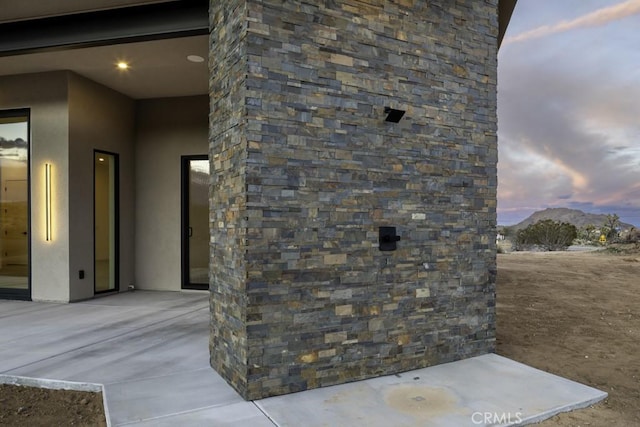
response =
{"points": [[572, 216]]}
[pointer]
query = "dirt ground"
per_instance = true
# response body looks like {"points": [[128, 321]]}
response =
{"points": [[31, 406], [577, 315]]}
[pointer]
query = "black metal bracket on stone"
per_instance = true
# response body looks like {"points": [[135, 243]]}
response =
{"points": [[388, 239], [393, 115]]}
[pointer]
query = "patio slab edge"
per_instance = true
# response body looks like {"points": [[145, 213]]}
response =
{"points": [[59, 385], [562, 409]]}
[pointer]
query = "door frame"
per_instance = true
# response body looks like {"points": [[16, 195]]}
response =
{"points": [[116, 220], [184, 221], [23, 294]]}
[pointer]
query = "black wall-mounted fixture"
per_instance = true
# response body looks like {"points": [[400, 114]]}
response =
{"points": [[393, 115], [387, 239]]}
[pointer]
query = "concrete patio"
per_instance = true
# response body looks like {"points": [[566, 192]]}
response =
{"points": [[150, 351]]}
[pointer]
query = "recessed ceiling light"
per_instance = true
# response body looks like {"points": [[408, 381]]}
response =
{"points": [[101, 159], [122, 65], [195, 58]]}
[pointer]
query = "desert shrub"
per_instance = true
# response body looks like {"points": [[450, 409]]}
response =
{"points": [[612, 250], [508, 231], [588, 235], [611, 227], [633, 236], [547, 235]]}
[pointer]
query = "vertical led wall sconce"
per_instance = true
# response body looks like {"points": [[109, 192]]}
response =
{"points": [[47, 200]]}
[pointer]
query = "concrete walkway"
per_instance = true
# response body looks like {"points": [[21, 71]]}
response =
{"points": [[150, 351]]}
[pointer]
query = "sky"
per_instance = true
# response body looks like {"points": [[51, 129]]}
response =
{"points": [[569, 109]]}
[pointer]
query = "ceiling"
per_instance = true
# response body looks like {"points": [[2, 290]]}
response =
{"points": [[17, 10], [158, 68], [158, 65]]}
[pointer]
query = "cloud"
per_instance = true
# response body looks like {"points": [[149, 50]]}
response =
{"points": [[594, 19], [559, 143]]}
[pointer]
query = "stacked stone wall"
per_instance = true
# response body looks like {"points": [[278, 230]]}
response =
{"points": [[228, 156], [306, 170]]}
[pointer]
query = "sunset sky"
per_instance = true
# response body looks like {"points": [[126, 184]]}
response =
{"points": [[569, 109]]}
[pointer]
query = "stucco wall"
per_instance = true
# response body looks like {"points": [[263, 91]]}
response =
{"points": [[166, 130], [72, 116], [102, 119], [306, 170], [45, 94]]}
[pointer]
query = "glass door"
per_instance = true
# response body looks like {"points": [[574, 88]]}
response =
{"points": [[14, 204], [195, 222], [105, 220]]}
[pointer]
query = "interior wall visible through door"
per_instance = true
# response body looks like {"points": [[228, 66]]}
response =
{"points": [[14, 204]]}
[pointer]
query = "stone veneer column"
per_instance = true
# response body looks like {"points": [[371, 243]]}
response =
{"points": [[305, 171]]}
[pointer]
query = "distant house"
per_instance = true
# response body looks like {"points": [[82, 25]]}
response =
{"points": [[327, 170]]}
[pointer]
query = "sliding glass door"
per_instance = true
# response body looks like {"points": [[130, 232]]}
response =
{"points": [[14, 204], [195, 222], [105, 219]]}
